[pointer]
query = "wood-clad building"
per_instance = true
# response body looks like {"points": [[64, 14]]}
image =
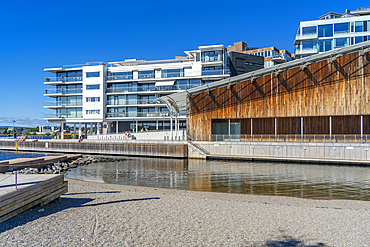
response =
{"points": [[323, 94]]}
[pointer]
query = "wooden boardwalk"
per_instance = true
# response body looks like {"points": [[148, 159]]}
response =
{"points": [[21, 163], [33, 189]]}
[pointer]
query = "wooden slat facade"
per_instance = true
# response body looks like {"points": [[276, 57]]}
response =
{"points": [[338, 88]]}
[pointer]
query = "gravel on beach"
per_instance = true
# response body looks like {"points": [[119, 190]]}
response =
{"points": [[95, 214]]}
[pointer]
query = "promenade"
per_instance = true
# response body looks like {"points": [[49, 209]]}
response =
{"points": [[93, 214]]}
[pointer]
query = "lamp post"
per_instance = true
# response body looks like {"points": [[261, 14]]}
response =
{"points": [[14, 130]]}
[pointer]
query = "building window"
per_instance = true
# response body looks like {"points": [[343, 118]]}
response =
{"points": [[146, 74], [92, 99], [69, 76], [326, 30], [309, 45], [211, 56], [325, 45], [168, 73], [92, 74], [254, 64], [94, 86], [341, 27], [120, 75], [309, 30], [214, 70], [359, 39], [341, 42], [92, 111]]}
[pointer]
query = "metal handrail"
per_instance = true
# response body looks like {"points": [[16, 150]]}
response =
{"points": [[358, 138]]}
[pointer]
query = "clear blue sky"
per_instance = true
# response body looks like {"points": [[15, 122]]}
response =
{"points": [[41, 34]]}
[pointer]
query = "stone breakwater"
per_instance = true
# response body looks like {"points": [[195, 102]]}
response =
{"points": [[60, 167]]}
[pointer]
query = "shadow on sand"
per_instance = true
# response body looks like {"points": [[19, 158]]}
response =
{"points": [[288, 241], [57, 206]]}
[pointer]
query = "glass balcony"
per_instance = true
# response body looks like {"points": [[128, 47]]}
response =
{"points": [[307, 36], [172, 74], [63, 91], [68, 103], [306, 51], [63, 115], [216, 72], [133, 102], [63, 79], [119, 77], [138, 114], [151, 88]]}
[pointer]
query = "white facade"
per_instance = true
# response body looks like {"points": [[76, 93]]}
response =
{"points": [[332, 31], [122, 96]]}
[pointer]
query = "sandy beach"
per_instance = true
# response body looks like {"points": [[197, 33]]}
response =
{"points": [[94, 214]]}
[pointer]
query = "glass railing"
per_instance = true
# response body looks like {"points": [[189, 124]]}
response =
{"points": [[62, 115], [152, 88], [63, 91], [119, 77], [68, 103], [133, 102], [172, 74], [138, 114], [292, 138], [216, 72], [306, 51], [306, 36], [63, 79]]}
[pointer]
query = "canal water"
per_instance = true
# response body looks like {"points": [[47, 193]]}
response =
{"points": [[257, 178], [5, 155]]}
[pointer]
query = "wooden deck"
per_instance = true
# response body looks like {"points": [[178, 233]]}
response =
{"points": [[21, 163], [33, 189]]}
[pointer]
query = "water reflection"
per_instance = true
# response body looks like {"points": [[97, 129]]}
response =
{"points": [[307, 181]]}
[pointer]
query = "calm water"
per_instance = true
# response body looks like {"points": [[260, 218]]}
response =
{"points": [[4, 155], [297, 180]]}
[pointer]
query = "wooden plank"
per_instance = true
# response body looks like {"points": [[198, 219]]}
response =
{"points": [[52, 180], [43, 201], [30, 198]]}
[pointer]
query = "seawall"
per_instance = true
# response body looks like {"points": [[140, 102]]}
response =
{"points": [[131, 148]]}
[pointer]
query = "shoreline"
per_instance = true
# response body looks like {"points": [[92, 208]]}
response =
{"points": [[93, 213]]}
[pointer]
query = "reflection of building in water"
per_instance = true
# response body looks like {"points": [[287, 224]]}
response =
{"points": [[199, 178], [308, 181], [167, 173]]}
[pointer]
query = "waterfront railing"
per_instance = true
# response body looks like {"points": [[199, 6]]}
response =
{"points": [[290, 138]]}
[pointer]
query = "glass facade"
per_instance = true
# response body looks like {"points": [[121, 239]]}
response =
{"points": [[211, 56], [341, 42], [92, 74], [168, 73], [325, 45], [326, 30], [93, 87], [213, 70], [146, 74]]}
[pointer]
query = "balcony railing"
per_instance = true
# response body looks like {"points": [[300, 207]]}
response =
{"points": [[68, 103], [291, 138], [306, 51], [151, 88], [63, 79], [119, 77], [133, 102], [63, 91], [172, 74], [307, 36], [216, 72], [61, 115], [138, 114]]}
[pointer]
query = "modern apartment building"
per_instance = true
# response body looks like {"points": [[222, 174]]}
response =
{"points": [[122, 96], [332, 31], [272, 55]]}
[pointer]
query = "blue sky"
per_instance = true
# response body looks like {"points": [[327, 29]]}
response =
{"points": [[41, 34]]}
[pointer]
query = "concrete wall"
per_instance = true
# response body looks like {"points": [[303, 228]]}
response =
{"points": [[297, 151], [148, 149]]}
